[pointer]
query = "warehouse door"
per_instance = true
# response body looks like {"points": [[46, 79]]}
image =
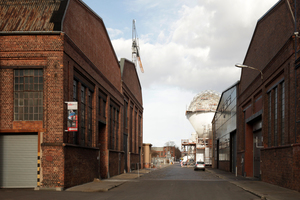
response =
{"points": [[18, 161], [233, 151]]}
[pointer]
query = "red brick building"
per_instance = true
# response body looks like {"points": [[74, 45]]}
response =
{"points": [[133, 115], [163, 152], [268, 115], [53, 52]]}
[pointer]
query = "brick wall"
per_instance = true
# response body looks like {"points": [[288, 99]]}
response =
{"points": [[131, 80], [272, 51], [116, 163], [81, 165], [134, 160], [104, 163], [132, 92], [6, 98], [280, 166], [90, 35], [37, 51], [269, 28], [24, 51], [91, 74], [84, 46], [224, 165], [52, 171]]}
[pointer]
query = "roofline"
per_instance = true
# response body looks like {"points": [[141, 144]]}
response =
{"points": [[97, 16], [91, 10], [64, 15], [258, 21], [30, 32], [234, 85], [230, 87], [122, 62], [261, 18]]}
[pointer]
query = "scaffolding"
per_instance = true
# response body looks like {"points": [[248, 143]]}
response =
{"points": [[188, 149]]}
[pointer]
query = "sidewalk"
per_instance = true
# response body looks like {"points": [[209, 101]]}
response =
{"points": [[256, 187], [115, 181]]}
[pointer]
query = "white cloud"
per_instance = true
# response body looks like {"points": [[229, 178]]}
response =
{"points": [[188, 47], [162, 106], [113, 33]]}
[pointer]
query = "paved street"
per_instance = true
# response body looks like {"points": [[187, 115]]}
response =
{"points": [[172, 182]]}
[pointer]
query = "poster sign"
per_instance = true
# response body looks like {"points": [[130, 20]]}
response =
{"points": [[72, 116]]}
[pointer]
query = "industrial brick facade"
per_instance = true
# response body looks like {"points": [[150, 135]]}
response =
{"points": [[78, 63], [133, 115], [162, 152], [268, 129]]}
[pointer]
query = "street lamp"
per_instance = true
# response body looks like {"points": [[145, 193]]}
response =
{"points": [[246, 66]]}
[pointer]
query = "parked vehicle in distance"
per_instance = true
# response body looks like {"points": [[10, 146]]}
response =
{"points": [[199, 165]]}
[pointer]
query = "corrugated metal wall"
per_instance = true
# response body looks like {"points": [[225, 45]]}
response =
{"points": [[18, 161]]}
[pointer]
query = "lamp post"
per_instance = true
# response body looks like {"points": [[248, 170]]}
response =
{"points": [[246, 66]]}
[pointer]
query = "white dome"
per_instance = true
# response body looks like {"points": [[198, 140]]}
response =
{"points": [[205, 101]]}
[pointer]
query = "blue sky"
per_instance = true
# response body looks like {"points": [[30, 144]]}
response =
{"points": [[187, 46], [152, 16]]}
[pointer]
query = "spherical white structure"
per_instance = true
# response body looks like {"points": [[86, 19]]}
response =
{"points": [[201, 112]]}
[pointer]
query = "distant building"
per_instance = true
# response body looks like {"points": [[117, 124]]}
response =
{"points": [[147, 155], [164, 152], [54, 54]]}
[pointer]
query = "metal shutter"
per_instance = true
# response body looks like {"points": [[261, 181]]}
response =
{"points": [[18, 161]]}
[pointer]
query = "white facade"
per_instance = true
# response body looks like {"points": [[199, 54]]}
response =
{"points": [[201, 122]]}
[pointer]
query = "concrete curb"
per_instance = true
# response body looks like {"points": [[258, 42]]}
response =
{"points": [[108, 184], [263, 190], [96, 186], [238, 185]]}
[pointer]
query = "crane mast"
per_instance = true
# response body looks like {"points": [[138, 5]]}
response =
{"points": [[135, 48]]}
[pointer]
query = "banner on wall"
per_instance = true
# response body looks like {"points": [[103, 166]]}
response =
{"points": [[72, 116]]}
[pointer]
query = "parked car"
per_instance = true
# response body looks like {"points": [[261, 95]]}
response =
{"points": [[199, 165]]}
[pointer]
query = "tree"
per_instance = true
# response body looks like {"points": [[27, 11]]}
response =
{"points": [[170, 144], [177, 153], [154, 154]]}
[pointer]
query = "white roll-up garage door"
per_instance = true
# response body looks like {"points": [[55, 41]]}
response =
{"points": [[18, 161]]}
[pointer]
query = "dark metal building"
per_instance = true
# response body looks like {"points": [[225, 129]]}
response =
{"points": [[224, 131]]}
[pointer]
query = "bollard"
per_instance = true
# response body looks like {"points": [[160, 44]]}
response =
{"points": [[138, 170]]}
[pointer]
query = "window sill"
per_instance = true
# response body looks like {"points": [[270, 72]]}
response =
{"points": [[69, 145]]}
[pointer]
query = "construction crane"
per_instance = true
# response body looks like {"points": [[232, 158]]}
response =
{"points": [[135, 47]]}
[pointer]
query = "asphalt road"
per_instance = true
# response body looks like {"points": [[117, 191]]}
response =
{"points": [[172, 182]]}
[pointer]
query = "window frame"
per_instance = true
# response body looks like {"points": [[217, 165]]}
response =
{"points": [[28, 94], [82, 114]]}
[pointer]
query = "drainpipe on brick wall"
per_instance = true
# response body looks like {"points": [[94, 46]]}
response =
{"points": [[99, 171]]}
